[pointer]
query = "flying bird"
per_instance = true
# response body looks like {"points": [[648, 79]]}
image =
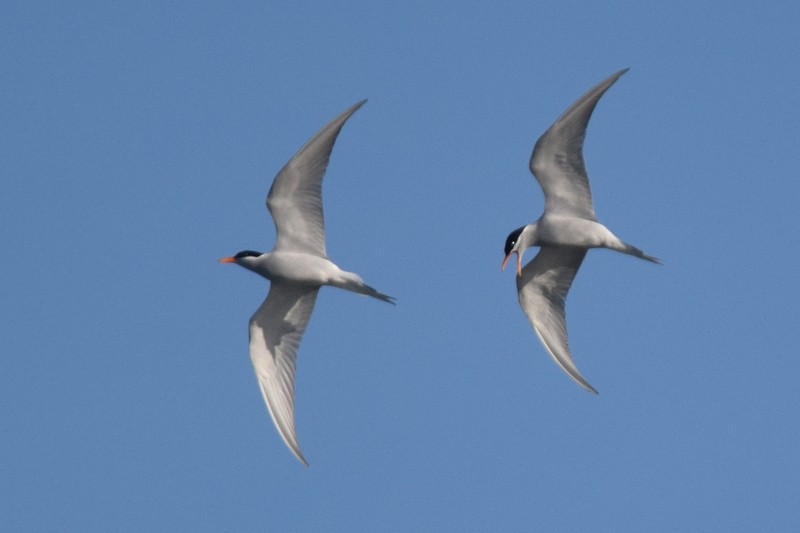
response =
{"points": [[565, 231], [297, 267]]}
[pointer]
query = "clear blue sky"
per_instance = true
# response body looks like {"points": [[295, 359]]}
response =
{"points": [[139, 142]]}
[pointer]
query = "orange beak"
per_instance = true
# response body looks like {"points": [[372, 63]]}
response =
{"points": [[519, 263], [227, 260]]}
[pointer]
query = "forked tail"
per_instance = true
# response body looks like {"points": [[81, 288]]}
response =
{"points": [[369, 291], [350, 281], [634, 251]]}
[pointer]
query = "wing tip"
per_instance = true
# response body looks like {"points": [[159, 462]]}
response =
{"points": [[284, 426], [566, 364], [590, 389], [300, 457], [290, 439], [577, 377], [580, 380]]}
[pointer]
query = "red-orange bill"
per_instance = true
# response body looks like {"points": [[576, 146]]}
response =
{"points": [[503, 266], [519, 263]]}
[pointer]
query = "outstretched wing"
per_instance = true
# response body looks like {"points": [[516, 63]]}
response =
{"points": [[276, 329], [295, 198], [557, 159], [542, 289]]}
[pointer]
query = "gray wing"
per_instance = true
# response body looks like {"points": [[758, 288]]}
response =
{"points": [[542, 289], [295, 198], [557, 159], [276, 329]]}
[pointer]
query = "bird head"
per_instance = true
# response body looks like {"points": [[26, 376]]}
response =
{"points": [[514, 246], [245, 258]]}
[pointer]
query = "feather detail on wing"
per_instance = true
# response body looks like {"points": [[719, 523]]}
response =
{"points": [[557, 159], [276, 329], [542, 290], [295, 198]]}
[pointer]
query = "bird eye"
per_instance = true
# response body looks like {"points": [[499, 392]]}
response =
{"points": [[511, 241]]}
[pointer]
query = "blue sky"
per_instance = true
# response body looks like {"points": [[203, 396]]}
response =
{"points": [[139, 142]]}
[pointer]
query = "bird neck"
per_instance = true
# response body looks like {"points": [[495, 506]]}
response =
{"points": [[529, 237], [257, 264]]}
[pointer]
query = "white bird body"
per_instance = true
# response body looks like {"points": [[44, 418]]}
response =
{"points": [[297, 267], [561, 230], [565, 232]]}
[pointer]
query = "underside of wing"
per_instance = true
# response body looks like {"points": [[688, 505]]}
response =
{"points": [[276, 329], [295, 198], [542, 290], [557, 159]]}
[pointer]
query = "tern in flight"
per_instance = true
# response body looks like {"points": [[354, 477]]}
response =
{"points": [[565, 231], [297, 267]]}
